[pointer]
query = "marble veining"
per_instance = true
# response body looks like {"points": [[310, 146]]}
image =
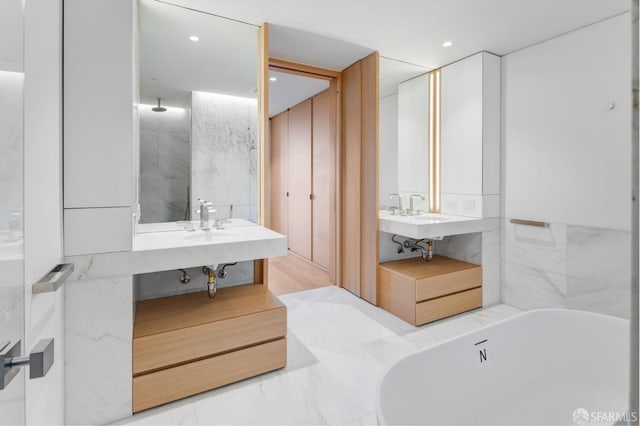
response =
{"points": [[224, 152], [339, 348], [98, 338], [566, 266]]}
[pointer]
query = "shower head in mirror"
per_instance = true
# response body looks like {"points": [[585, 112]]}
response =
{"points": [[159, 108]]}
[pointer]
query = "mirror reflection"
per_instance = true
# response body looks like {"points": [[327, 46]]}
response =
{"points": [[198, 114], [404, 166], [11, 147]]}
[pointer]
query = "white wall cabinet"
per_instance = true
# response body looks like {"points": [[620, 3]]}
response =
{"points": [[470, 136], [99, 149], [413, 137]]}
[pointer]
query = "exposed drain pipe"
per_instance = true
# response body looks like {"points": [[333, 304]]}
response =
{"points": [[427, 252], [212, 284], [222, 273]]}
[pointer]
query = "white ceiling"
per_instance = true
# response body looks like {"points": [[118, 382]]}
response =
{"points": [[172, 66], [413, 30], [335, 33], [290, 89]]}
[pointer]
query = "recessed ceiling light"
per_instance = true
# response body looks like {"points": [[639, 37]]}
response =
{"points": [[194, 38], [447, 44], [273, 79]]}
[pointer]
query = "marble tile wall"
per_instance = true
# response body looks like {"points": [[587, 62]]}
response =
{"points": [[165, 171], [44, 319], [566, 266], [224, 152], [98, 339]]}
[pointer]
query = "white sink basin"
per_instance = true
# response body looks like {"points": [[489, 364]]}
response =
{"points": [[430, 225], [211, 235]]}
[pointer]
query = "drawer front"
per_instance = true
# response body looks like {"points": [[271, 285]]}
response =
{"points": [[397, 294], [446, 306], [178, 346], [153, 389], [453, 282]]}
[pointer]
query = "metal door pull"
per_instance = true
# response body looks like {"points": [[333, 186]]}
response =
{"points": [[39, 360], [53, 280]]}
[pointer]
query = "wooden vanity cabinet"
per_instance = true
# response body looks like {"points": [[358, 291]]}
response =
{"points": [[187, 344], [420, 292]]}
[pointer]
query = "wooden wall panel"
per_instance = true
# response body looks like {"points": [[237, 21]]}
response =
{"points": [[261, 267], [323, 137], [300, 225], [351, 161], [359, 227], [279, 162], [369, 179], [335, 200]]}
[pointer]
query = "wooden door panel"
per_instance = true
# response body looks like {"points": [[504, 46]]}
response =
{"points": [[279, 163], [300, 179], [323, 134], [352, 137]]}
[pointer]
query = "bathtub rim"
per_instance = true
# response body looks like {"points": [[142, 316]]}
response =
{"points": [[380, 418]]}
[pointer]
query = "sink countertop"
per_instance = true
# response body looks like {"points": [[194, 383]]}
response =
{"points": [[159, 247], [432, 225]]}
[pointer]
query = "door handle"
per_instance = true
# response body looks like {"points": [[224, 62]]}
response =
{"points": [[39, 360], [53, 280]]}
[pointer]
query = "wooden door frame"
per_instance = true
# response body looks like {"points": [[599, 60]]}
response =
{"points": [[335, 83]]}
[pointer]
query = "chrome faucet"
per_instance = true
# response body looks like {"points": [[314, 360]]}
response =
{"points": [[399, 208], [411, 210], [204, 210]]}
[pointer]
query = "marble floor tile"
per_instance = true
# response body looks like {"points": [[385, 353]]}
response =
{"points": [[339, 348]]}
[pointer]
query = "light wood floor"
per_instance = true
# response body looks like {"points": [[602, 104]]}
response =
{"points": [[292, 273]]}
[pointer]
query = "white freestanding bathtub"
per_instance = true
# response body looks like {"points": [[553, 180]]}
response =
{"points": [[542, 367]]}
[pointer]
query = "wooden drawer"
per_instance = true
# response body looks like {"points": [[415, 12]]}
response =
{"points": [[452, 282], [404, 285], [445, 306], [179, 329], [160, 387], [179, 346]]}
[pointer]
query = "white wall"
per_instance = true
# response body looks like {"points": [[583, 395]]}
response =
{"points": [[388, 168], [566, 154], [566, 159]]}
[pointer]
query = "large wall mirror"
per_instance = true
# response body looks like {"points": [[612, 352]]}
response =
{"points": [[198, 114], [404, 141]]}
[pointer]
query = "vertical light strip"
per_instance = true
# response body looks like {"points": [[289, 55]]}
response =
{"points": [[431, 140], [434, 141], [436, 171]]}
